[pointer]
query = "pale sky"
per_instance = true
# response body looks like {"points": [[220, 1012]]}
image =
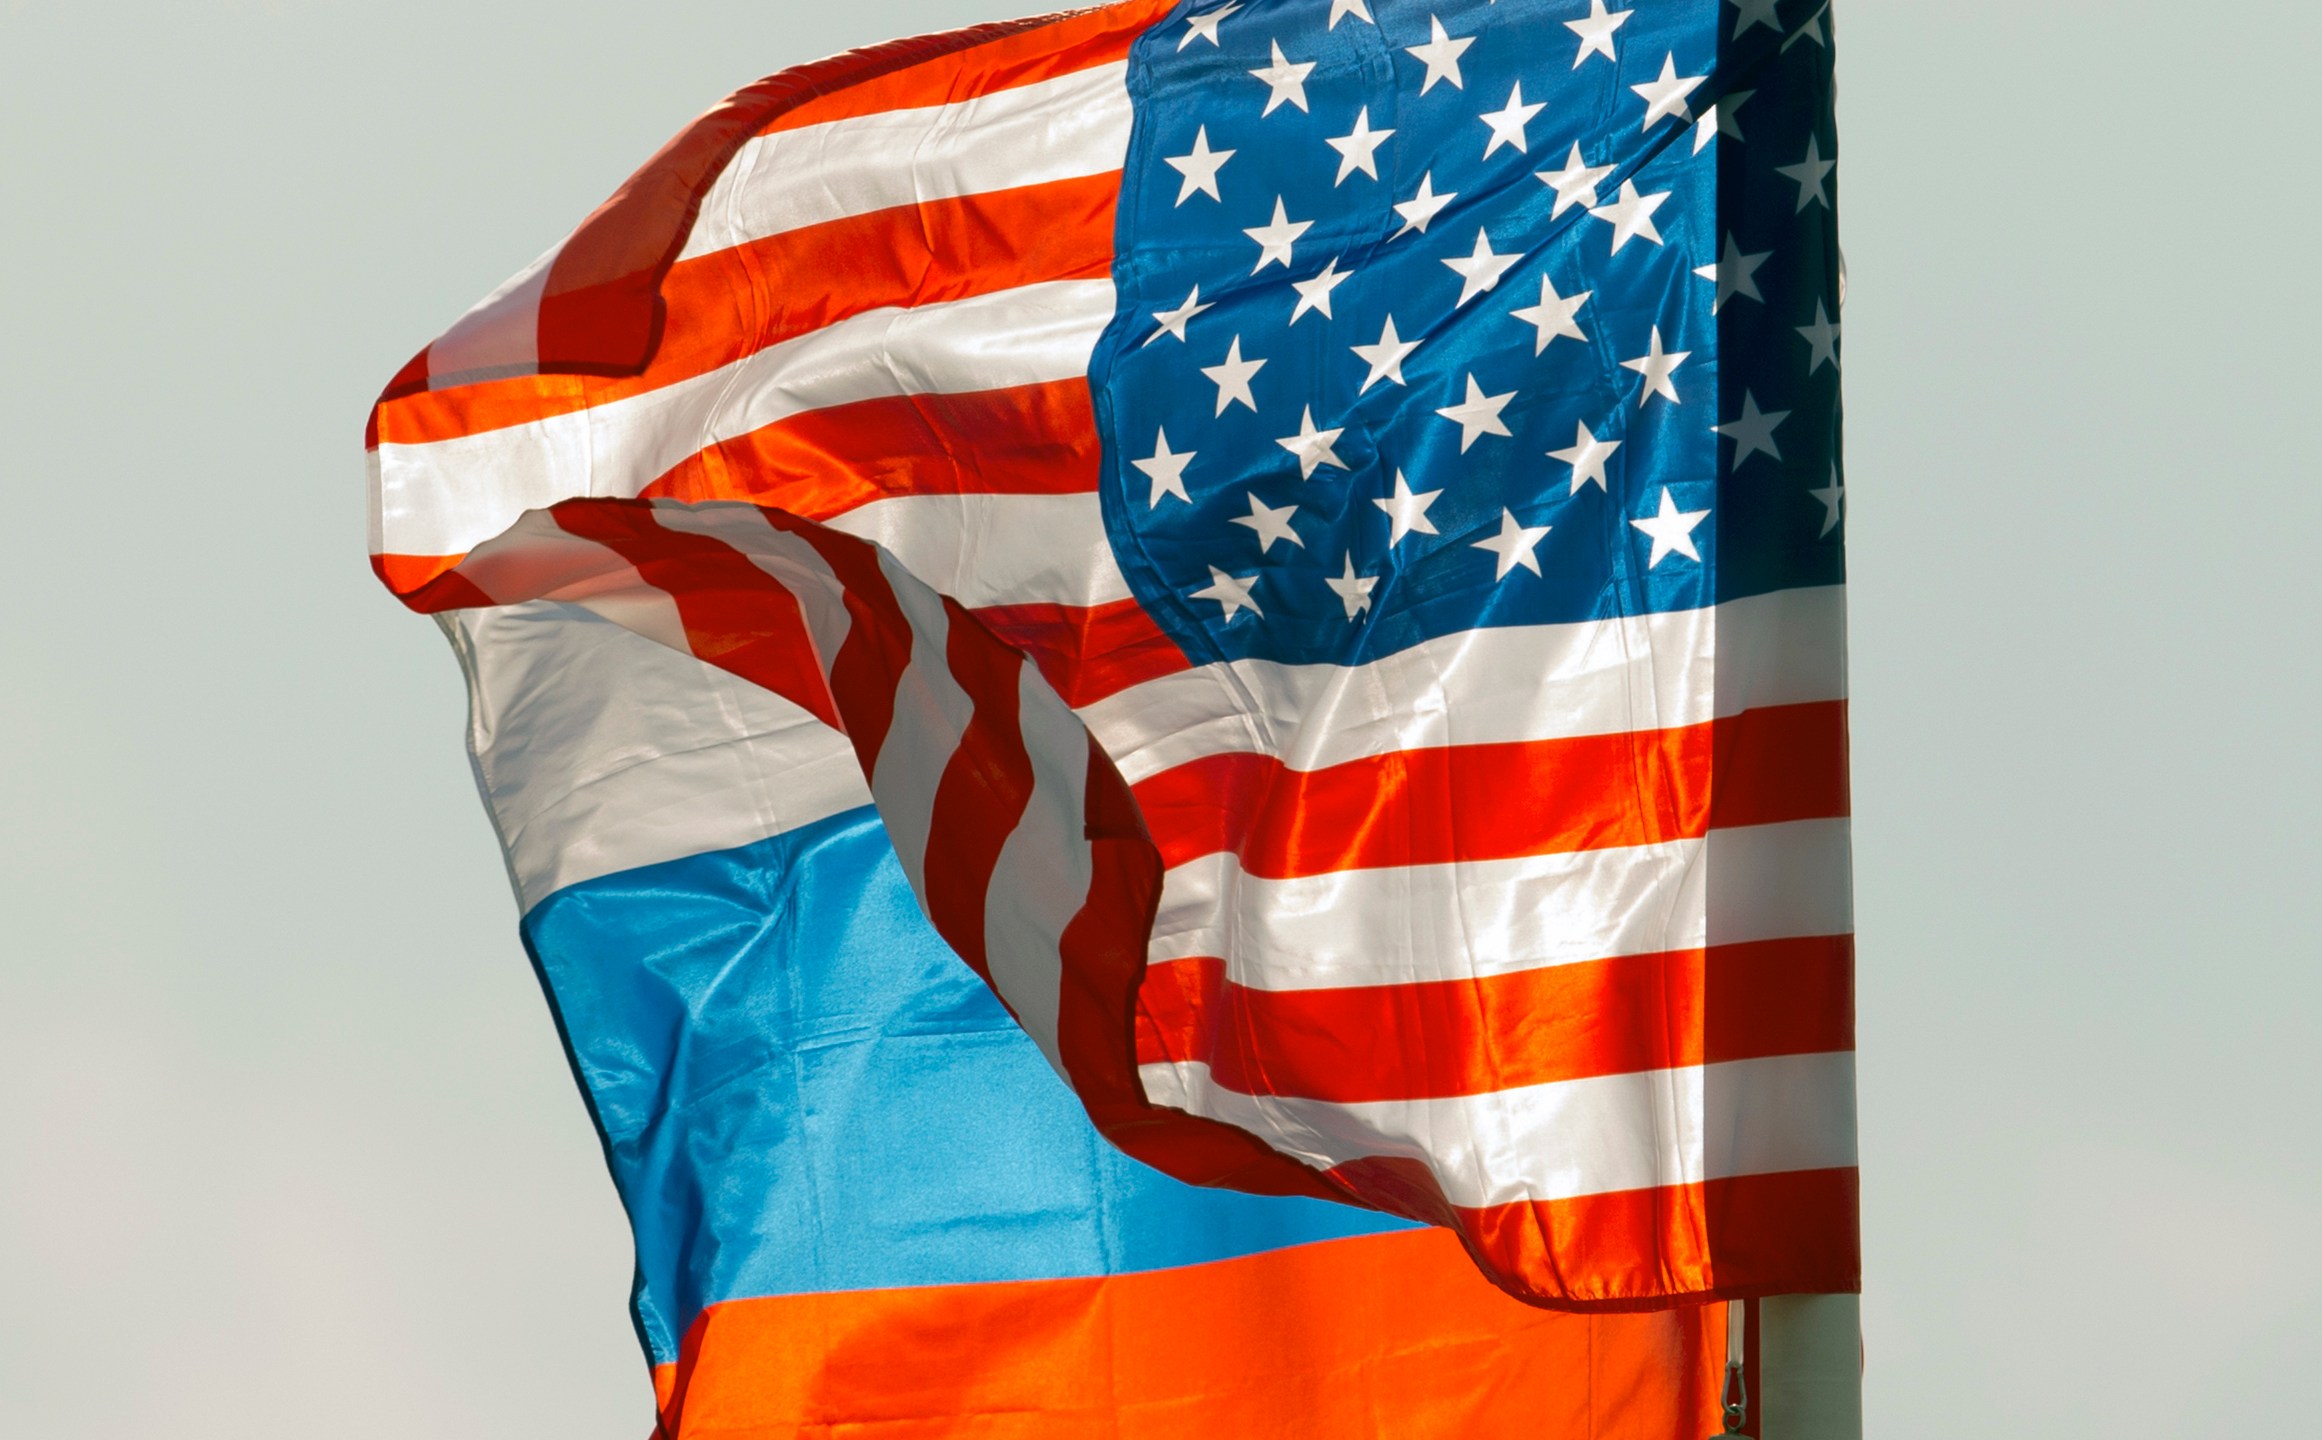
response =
{"points": [[287, 1145]]}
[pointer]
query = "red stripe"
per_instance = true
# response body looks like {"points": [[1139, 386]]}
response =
{"points": [[736, 616], [1029, 440], [1497, 1032], [1084, 653], [427, 583], [1044, 49], [877, 650], [1103, 955], [985, 786], [1088, 654], [1796, 1232], [602, 311], [1749, 1235], [1381, 1336], [731, 304], [1781, 763], [1489, 802]]}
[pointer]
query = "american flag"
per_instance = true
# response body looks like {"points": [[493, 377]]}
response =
{"points": [[1319, 524]]}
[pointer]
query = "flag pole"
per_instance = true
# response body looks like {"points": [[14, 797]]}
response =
{"points": [[1735, 1398]]}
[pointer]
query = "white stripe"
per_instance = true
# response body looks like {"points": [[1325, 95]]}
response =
{"points": [[600, 751], [1568, 1138], [998, 549], [446, 497], [1539, 682], [1060, 129], [1042, 876], [931, 714], [1415, 924]]}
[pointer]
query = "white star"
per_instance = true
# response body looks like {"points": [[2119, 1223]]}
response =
{"points": [[1270, 524], [1478, 415], [1833, 498], [1340, 9], [1672, 530], [1515, 545], [1721, 119], [1553, 315], [1199, 167], [1358, 149], [1166, 470], [1587, 457], [1287, 80], [1630, 215], [1312, 446], [1823, 336], [1314, 294], [1734, 273], [1753, 430], [1276, 237], [1507, 125], [1354, 591], [1596, 32], [1441, 55], [1482, 270], [1575, 184], [1204, 26], [1422, 207], [1233, 377], [1811, 30], [1231, 592], [1756, 12], [1656, 365], [1173, 322], [1406, 512], [1385, 358], [1666, 96], [1810, 173]]}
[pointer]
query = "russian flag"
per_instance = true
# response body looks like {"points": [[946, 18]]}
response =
{"points": [[862, 1199]]}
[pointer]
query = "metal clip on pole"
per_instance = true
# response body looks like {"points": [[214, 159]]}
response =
{"points": [[1737, 1400]]}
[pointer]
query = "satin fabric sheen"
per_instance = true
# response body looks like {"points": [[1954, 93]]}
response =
{"points": [[1388, 1335], [802, 1090]]}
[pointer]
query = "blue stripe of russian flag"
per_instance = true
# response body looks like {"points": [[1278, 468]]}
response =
{"points": [[801, 1090]]}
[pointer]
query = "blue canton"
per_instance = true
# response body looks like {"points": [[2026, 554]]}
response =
{"points": [[1439, 316]]}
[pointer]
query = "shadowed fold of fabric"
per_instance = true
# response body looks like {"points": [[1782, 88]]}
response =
{"points": [[936, 709]]}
